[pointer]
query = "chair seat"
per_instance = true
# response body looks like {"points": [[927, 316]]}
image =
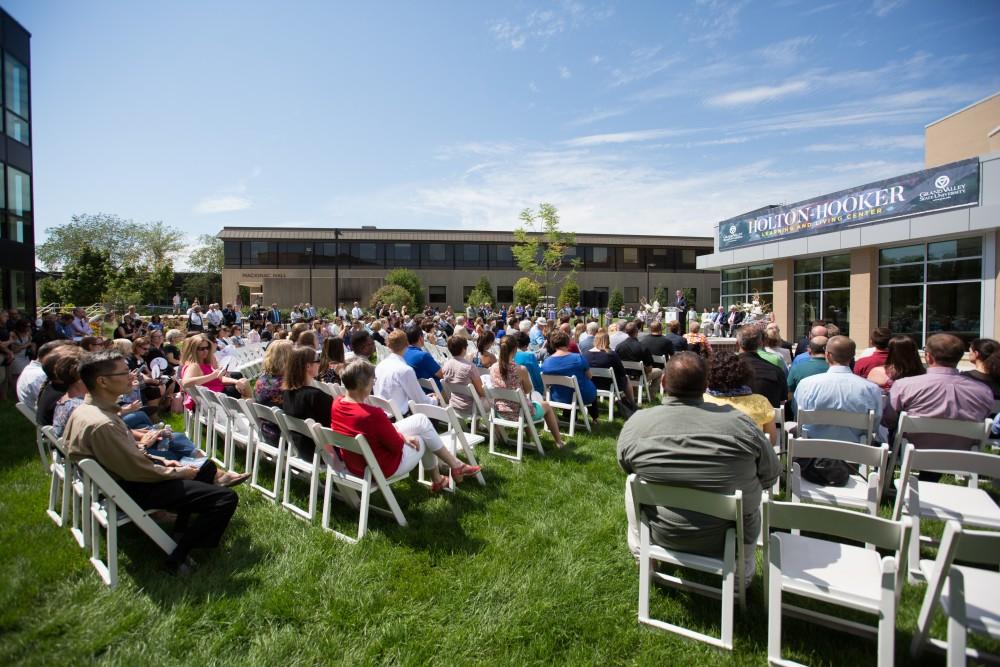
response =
{"points": [[847, 575], [982, 607], [854, 494], [972, 507], [452, 442], [698, 562]]}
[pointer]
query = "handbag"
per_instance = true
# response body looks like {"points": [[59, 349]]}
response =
{"points": [[825, 472]]}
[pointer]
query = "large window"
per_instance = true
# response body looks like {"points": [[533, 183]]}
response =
{"points": [[436, 255], [401, 254], [597, 257], [501, 257], [294, 253], [437, 294], [231, 250], [16, 95], [18, 196], [505, 294], [931, 288], [822, 292], [631, 295], [741, 285], [470, 254], [366, 254], [18, 290], [325, 254], [259, 253]]}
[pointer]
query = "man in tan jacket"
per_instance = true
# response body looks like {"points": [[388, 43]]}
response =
{"points": [[96, 431]]}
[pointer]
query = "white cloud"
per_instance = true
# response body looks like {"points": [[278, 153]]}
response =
{"points": [[786, 52], [624, 137], [757, 94], [714, 21], [597, 115], [596, 60], [564, 72], [542, 25], [222, 204], [882, 8], [643, 63], [911, 142]]}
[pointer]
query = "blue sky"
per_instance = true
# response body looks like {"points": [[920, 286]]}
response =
{"points": [[656, 117]]}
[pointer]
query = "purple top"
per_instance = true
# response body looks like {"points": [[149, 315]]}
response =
{"points": [[942, 393]]}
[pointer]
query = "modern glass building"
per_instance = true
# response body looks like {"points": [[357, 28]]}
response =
{"points": [[17, 236], [327, 266], [916, 253]]}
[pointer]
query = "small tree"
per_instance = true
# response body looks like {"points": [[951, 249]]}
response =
{"points": [[570, 294], [86, 278], [481, 294], [662, 296], [541, 249], [49, 290], [409, 281], [527, 291], [393, 294], [616, 300]]}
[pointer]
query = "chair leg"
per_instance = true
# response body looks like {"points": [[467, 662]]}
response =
{"points": [[887, 621], [366, 499], [728, 589], [956, 619], [774, 608]]}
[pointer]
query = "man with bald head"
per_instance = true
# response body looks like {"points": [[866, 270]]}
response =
{"points": [[838, 389], [815, 364], [688, 442], [802, 353]]}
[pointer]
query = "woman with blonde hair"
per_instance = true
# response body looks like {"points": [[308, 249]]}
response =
{"points": [[199, 368]]}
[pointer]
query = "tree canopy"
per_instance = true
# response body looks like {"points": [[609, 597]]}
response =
{"points": [[542, 250], [409, 281]]}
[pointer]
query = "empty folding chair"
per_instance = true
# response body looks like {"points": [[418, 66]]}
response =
{"points": [[30, 415], [864, 485], [525, 421], [455, 439], [637, 378], [104, 498], [612, 394], [729, 566], [833, 572], [297, 465], [338, 475], [966, 593], [576, 406], [264, 450], [856, 421], [969, 505]]}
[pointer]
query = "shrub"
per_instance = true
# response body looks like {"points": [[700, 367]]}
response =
{"points": [[616, 301], [569, 294], [527, 291], [409, 281], [393, 294]]}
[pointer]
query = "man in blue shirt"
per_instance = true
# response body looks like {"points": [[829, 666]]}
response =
{"points": [[537, 333], [838, 389], [419, 359], [802, 353], [814, 365]]}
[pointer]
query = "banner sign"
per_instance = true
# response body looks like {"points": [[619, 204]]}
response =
{"points": [[948, 186]]}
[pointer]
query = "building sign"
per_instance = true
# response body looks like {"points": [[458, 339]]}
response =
{"points": [[948, 186], [265, 274]]}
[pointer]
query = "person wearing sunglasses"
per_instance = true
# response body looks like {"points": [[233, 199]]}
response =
{"points": [[200, 368]]}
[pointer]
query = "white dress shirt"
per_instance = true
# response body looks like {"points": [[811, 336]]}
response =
{"points": [[29, 383], [214, 317], [396, 382]]}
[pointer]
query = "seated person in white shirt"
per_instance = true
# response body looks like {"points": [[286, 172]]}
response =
{"points": [[31, 379], [395, 380]]}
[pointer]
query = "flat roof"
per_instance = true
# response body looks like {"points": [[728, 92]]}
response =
{"points": [[965, 108], [388, 234]]}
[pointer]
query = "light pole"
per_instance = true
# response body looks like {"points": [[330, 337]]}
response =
{"points": [[649, 297], [309, 260]]}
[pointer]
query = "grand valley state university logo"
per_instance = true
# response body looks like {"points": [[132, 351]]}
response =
{"points": [[732, 234], [943, 191]]}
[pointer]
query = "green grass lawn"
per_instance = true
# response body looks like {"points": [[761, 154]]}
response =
{"points": [[530, 569]]}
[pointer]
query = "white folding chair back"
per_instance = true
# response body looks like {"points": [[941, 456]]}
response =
{"points": [[976, 431], [576, 406], [31, 416], [969, 505], [387, 407], [66, 491], [833, 572], [639, 383], [239, 430], [659, 361], [454, 438], [431, 386], [863, 488], [477, 412], [381, 352], [864, 422], [296, 465], [218, 428], [967, 593], [330, 388], [729, 566], [523, 422], [274, 454], [612, 394], [104, 498], [338, 475]]}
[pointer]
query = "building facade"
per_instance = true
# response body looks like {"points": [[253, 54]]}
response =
{"points": [[329, 266], [917, 253], [17, 235]]}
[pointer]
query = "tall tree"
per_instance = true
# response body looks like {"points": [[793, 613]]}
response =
{"points": [[541, 249], [86, 278]]}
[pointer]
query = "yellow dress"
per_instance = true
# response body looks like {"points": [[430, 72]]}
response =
{"points": [[754, 406]]}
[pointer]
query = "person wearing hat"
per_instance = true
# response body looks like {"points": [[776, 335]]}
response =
{"points": [[537, 334]]}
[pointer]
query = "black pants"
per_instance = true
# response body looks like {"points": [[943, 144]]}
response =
{"points": [[213, 506]]}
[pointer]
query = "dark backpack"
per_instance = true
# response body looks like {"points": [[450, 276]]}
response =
{"points": [[826, 472]]}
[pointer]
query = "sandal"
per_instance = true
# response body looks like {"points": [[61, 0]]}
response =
{"points": [[443, 483], [232, 479], [465, 470]]}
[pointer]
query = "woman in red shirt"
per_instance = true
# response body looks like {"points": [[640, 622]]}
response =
{"points": [[399, 447]]}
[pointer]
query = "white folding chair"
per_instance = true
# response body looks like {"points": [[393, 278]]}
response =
{"points": [[387, 407], [219, 424], [969, 505], [239, 430], [522, 422], [976, 432], [30, 415], [576, 406], [612, 394], [330, 388], [729, 566], [338, 475], [104, 498], [274, 454], [454, 438], [833, 572], [296, 464], [861, 421], [431, 386], [863, 489], [381, 352], [659, 361], [639, 382], [201, 416], [476, 413], [967, 594], [66, 491]]}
